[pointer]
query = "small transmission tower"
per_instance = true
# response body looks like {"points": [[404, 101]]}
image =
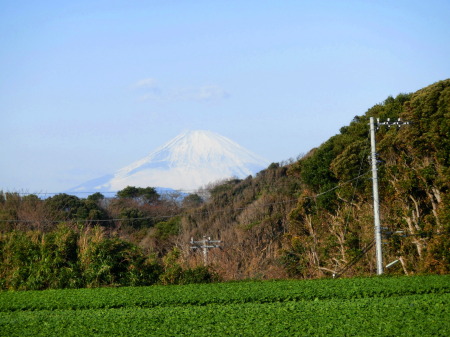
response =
{"points": [[205, 245]]}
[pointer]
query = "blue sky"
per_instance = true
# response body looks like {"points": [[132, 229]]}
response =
{"points": [[87, 87]]}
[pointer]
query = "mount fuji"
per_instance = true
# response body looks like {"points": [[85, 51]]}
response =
{"points": [[188, 162]]}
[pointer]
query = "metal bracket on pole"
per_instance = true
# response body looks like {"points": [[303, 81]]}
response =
{"points": [[205, 245]]}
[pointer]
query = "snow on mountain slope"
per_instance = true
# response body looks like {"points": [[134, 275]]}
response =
{"points": [[189, 161]]}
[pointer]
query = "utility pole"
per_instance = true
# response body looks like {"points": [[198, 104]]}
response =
{"points": [[205, 245], [376, 202]]}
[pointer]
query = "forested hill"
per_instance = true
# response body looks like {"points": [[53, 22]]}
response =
{"points": [[307, 218], [312, 217]]}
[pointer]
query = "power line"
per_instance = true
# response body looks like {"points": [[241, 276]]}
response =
{"points": [[93, 220], [181, 214], [356, 259], [85, 192], [163, 192], [340, 185], [354, 191]]}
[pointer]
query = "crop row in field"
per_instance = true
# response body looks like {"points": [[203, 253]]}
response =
{"points": [[223, 293], [411, 315], [408, 306]]}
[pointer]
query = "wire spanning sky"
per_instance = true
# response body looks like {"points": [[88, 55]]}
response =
{"points": [[87, 87]]}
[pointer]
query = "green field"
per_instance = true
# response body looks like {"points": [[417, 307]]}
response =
{"points": [[403, 306]]}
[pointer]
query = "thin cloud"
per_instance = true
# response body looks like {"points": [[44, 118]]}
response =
{"points": [[146, 83], [212, 92], [205, 93], [148, 87], [150, 90]]}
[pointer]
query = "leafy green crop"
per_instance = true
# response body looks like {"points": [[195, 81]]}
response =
{"points": [[405, 306]]}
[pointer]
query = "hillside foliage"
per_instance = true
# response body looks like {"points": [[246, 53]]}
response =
{"points": [[305, 218]]}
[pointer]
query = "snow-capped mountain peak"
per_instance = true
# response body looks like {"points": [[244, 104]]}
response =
{"points": [[187, 162]]}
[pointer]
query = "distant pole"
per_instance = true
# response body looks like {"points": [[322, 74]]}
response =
{"points": [[376, 202], [205, 245]]}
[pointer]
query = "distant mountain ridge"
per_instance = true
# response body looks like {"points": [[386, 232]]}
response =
{"points": [[187, 162]]}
